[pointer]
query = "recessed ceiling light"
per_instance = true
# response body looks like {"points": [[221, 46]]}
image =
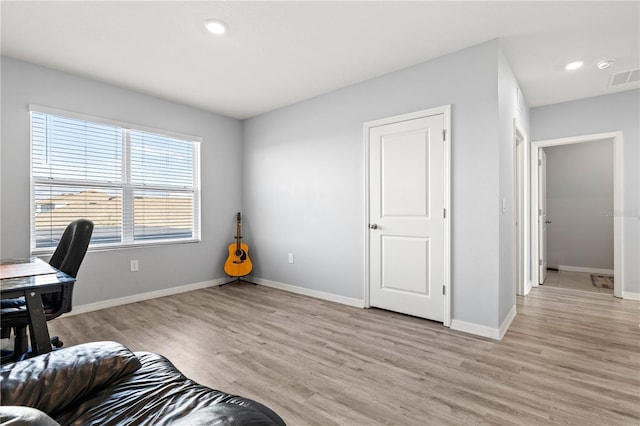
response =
{"points": [[215, 27], [574, 65], [605, 64]]}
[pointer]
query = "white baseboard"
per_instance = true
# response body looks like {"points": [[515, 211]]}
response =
{"points": [[90, 307], [478, 330], [630, 296], [585, 270], [483, 330], [307, 292], [507, 322]]}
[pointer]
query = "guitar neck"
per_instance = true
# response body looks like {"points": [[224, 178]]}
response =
{"points": [[238, 229]]}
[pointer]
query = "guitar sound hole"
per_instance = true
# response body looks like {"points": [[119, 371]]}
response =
{"points": [[241, 254]]}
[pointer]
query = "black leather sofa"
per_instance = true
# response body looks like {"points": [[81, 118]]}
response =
{"points": [[104, 383]]}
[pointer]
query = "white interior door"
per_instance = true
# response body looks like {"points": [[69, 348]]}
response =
{"points": [[406, 209], [542, 216]]}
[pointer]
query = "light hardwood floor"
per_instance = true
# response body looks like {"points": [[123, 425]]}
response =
{"points": [[568, 358]]}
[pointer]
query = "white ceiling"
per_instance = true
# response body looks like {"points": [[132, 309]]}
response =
{"points": [[277, 53]]}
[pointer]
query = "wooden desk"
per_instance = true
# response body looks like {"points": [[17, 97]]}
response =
{"points": [[31, 278], [17, 268]]}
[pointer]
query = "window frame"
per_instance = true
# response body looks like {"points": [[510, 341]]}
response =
{"points": [[126, 185]]}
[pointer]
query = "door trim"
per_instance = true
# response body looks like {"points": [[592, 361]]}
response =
{"points": [[618, 217], [446, 113], [521, 210]]}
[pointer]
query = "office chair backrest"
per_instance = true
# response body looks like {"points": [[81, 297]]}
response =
{"points": [[72, 247]]}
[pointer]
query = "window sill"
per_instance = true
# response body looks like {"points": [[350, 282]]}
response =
{"points": [[120, 246]]}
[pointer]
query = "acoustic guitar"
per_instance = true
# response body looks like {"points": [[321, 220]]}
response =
{"points": [[238, 263]]}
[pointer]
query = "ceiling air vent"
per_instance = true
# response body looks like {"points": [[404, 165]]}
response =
{"points": [[625, 77]]}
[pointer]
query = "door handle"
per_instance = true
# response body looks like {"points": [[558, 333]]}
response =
{"points": [[547, 221], [373, 226]]}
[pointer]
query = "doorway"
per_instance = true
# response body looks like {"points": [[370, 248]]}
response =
{"points": [[407, 162], [538, 254]]}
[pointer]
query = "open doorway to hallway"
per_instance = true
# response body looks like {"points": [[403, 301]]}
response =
{"points": [[542, 223], [578, 216]]}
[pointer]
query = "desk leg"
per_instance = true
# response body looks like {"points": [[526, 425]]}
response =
{"points": [[38, 330]]}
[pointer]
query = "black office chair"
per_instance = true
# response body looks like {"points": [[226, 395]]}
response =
{"points": [[67, 258]]}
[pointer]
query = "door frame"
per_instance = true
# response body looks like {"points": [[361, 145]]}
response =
{"points": [[521, 210], [445, 110], [618, 218], [543, 216]]}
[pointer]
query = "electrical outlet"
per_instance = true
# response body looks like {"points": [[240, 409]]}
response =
{"points": [[290, 257], [135, 267]]}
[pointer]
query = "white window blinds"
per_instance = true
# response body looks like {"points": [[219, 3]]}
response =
{"points": [[137, 186]]}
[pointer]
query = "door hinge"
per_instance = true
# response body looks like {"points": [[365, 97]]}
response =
{"points": [[444, 213], [539, 262], [539, 162], [444, 135], [539, 212], [444, 290]]}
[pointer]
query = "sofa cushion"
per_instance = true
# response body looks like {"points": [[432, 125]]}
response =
{"points": [[52, 381], [24, 416], [158, 394], [225, 415]]}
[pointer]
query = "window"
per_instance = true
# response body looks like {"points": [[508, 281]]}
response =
{"points": [[137, 186]]}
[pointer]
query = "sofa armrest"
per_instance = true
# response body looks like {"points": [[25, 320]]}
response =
{"points": [[52, 381]]}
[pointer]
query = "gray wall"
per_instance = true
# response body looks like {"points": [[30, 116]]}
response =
{"points": [[579, 205], [105, 274], [511, 105], [304, 181], [615, 112]]}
